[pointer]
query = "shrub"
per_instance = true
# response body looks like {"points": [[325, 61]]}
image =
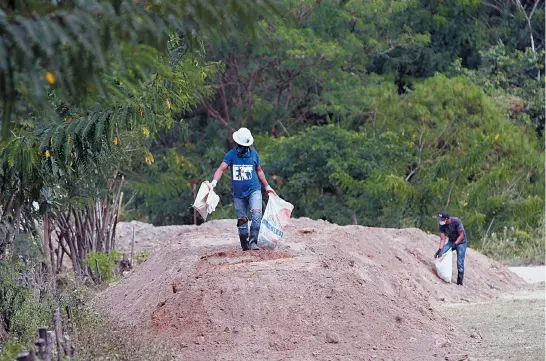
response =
{"points": [[103, 264], [20, 308], [516, 247], [142, 256]]}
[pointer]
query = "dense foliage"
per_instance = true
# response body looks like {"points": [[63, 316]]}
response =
{"points": [[376, 113]]}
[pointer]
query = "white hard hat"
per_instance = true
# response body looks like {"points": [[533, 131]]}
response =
{"points": [[243, 137]]}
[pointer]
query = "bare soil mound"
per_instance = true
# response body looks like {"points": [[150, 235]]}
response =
{"points": [[329, 293]]}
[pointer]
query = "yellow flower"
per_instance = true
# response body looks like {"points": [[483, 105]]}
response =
{"points": [[149, 158], [465, 204], [47, 154], [115, 140], [146, 132], [497, 136], [68, 140], [168, 103], [50, 78]]}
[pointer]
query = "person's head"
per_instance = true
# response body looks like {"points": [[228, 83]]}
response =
{"points": [[243, 138], [443, 218]]}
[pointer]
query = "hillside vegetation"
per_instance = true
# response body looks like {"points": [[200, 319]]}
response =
{"points": [[374, 113]]}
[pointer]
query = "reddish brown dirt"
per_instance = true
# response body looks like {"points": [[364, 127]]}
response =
{"points": [[329, 293]]}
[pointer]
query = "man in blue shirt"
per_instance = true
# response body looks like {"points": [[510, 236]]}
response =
{"points": [[247, 178], [452, 230]]}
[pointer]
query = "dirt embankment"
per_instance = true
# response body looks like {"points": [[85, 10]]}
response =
{"points": [[329, 293]]}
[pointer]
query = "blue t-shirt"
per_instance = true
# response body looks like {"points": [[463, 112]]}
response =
{"points": [[452, 230], [244, 179]]}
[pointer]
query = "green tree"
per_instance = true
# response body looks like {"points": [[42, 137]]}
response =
{"points": [[79, 79], [342, 176], [460, 29], [515, 79], [443, 145], [296, 75]]}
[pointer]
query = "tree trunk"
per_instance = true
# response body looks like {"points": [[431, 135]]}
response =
{"points": [[58, 330], [91, 229], [45, 247]]}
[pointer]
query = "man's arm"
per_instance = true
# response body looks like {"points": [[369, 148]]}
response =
{"points": [[218, 174], [442, 240], [442, 244], [460, 238], [261, 176], [263, 180], [460, 231]]}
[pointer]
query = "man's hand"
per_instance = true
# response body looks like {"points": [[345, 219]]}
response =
{"points": [[437, 254], [270, 190]]}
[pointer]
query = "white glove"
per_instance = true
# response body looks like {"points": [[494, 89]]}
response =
{"points": [[269, 190], [213, 183]]}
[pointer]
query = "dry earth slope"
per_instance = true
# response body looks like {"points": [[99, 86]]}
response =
{"points": [[329, 293]]}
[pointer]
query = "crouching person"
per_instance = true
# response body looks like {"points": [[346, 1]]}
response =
{"points": [[247, 180], [452, 237]]}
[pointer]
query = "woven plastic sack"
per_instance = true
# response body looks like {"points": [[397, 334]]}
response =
{"points": [[206, 200], [274, 221], [444, 266]]}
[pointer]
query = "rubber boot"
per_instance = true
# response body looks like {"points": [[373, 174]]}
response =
{"points": [[253, 241], [244, 241], [460, 278]]}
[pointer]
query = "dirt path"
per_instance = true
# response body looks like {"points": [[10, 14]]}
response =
{"points": [[510, 327], [531, 274]]}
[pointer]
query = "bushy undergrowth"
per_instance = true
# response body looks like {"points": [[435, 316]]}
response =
{"points": [[93, 337], [103, 264], [516, 247]]}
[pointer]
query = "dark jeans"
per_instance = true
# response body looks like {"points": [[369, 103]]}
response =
{"points": [[461, 252]]}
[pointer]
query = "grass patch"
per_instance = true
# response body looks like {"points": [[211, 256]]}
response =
{"points": [[95, 339], [142, 256]]}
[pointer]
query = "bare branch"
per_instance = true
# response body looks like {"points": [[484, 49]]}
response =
{"points": [[528, 18], [224, 98], [213, 113]]}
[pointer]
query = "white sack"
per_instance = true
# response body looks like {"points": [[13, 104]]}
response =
{"points": [[206, 200], [274, 221], [444, 266]]}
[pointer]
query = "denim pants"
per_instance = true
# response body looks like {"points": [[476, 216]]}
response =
{"points": [[461, 252], [252, 203]]}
